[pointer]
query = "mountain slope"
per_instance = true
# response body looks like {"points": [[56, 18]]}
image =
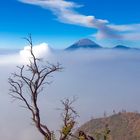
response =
{"points": [[123, 126], [83, 43], [121, 47]]}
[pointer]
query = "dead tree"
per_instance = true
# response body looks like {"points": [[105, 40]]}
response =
{"points": [[32, 77]]}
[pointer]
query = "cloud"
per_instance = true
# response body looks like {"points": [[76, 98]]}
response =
{"points": [[66, 13], [101, 79], [127, 27], [106, 32], [40, 51], [129, 32], [52, 4]]}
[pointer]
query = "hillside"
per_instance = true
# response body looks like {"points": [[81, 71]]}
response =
{"points": [[123, 126]]}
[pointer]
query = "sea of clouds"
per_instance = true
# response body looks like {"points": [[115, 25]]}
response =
{"points": [[103, 80]]}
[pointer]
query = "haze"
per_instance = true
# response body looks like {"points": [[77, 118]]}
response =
{"points": [[103, 80]]}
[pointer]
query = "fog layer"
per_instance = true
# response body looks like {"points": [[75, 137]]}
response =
{"points": [[103, 80]]}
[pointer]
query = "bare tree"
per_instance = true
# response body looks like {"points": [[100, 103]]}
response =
{"points": [[34, 82]]}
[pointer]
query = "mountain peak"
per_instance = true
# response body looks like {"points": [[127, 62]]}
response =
{"points": [[121, 47], [83, 43]]}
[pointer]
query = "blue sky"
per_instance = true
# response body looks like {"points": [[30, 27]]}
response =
{"points": [[62, 22]]}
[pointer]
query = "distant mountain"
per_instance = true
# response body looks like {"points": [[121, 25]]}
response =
{"points": [[123, 126], [84, 44], [121, 47]]}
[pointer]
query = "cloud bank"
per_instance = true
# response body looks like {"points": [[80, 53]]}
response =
{"points": [[65, 12], [103, 80]]}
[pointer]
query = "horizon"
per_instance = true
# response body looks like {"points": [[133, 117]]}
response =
{"points": [[16, 50]]}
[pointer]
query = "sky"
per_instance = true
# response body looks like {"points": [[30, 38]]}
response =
{"points": [[62, 22]]}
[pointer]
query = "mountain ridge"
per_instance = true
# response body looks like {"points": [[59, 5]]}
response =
{"points": [[121, 47], [123, 126], [89, 44]]}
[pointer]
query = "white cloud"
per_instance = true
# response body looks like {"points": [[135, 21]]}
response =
{"points": [[52, 4], [102, 79], [66, 12], [128, 32], [127, 27], [40, 51], [106, 32]]}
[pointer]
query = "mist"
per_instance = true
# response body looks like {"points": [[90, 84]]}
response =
{"points": [[103, 80]]}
